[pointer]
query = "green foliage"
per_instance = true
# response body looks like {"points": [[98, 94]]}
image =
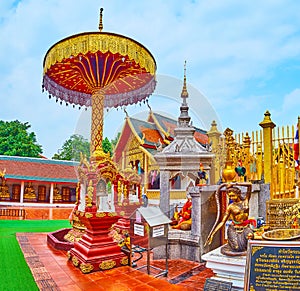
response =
{"points": [[106, 146], [77, 144], [72, 148], [15, 140]]}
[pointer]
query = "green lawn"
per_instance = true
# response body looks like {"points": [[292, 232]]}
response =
{"points": [[14, 272]]}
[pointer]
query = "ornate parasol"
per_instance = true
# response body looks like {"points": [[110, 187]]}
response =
{"points": [[101, 70]]}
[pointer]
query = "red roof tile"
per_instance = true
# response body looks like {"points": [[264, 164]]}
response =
{"points": [[38, 169], [151, 135]]}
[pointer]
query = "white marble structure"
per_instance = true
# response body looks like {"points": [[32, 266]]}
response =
{"points": [[226, 268]]}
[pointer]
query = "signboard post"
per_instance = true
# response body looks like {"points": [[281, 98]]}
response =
{"points": [[149, 229], [273, 265]]}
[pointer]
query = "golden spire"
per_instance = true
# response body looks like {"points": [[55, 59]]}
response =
{"points": [[100, 21], [184, 93]]}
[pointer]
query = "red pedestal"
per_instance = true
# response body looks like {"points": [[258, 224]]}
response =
{"points": [[96, 250]]}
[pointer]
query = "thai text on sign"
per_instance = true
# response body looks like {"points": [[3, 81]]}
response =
{"points": [[273, 265]]}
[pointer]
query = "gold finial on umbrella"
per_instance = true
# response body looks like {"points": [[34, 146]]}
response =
{"points": [[100, 21]]}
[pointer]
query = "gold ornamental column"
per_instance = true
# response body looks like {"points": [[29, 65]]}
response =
{"points": [[259, 162], [97, 124], [214, 138], [267, 124], [246, 146]]}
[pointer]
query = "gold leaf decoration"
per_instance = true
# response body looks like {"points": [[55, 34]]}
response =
{"points": [[75, 261], [124, 261], [106, 265], [100, 214], [255, 249], [112, 214], [86, 268], [88, 215]]}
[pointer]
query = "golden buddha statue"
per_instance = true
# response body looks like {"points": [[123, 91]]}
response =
{"points": [[57, 197], [29, 193], [4, 192]]}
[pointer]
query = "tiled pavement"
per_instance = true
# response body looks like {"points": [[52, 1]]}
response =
{"points": [[53, 271]]}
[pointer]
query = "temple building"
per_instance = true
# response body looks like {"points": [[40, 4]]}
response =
{"points": [[33, 180], [141, 140]]}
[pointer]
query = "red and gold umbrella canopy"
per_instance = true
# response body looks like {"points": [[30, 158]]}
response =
{"points": [[101, 70]]}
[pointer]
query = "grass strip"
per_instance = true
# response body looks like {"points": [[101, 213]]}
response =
{"points": [[14, 271]]}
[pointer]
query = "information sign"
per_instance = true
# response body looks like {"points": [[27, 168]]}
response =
{"points": [[158, 231], [273, 265], [217, 285], [139, 229]]}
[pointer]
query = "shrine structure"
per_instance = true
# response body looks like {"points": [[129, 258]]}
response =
{"points": [[101, 70], [139, 142], [183, 157]]}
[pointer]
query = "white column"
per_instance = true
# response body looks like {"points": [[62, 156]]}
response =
{"points": [[51, 193], [22, 192], [164, 200]]}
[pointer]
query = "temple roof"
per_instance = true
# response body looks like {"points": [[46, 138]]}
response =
{"points": [[147, 131], [156, 131], [168, 125], [36, 169]]}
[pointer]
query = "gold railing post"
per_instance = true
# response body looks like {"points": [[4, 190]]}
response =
{"points": [[259, 162], [267, 124], [214, 138], [281, 169], [246, 146]]}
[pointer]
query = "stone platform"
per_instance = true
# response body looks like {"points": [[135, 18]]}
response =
{"points": [[227, 268]]}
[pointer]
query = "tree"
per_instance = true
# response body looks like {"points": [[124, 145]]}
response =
{"points": [[72, 148], [77, 144], [107, 146], [16, 140]]}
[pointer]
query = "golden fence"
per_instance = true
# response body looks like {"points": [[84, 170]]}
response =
{"points": [[251, 152], [174, 194]]}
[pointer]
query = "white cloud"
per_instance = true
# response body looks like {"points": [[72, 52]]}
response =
{"points": [[226, 44], [292, 100]]}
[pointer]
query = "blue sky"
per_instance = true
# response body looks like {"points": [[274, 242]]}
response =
{"points": [[243, 58]]}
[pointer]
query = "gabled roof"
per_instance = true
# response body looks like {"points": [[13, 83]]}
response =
{"points": [[167, 125], [150, 133], [147, 132], [35, 169], [126, 133]]}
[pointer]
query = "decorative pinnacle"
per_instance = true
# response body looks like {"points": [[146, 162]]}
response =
{"points": [[100, 21], [184, 118], [184, 93]]}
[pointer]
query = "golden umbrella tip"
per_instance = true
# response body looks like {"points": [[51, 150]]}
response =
{"points": [[100, 21]]}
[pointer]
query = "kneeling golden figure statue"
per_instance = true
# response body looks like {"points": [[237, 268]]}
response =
{"points": [[239, 230]]}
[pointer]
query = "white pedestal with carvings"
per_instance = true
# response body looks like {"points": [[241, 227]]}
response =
{"points": [[226, 268]]}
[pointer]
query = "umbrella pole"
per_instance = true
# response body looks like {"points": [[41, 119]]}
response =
{"points": [[97, 125]]}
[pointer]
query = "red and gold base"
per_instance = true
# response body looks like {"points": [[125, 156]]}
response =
{"points": [[96, 250]]}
